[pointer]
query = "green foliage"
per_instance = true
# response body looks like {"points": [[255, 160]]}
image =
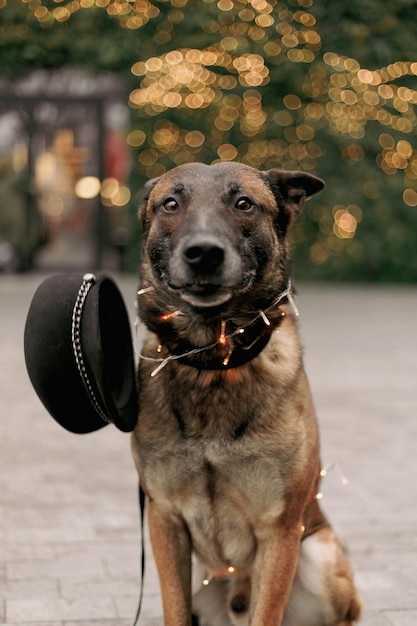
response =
{"points": [[327, 87], [91, 39]]}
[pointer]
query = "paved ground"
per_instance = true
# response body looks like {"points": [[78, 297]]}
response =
{"points": [[69, 531]]}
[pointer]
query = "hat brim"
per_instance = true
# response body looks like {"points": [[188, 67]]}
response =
{"points": [[92, 383]]}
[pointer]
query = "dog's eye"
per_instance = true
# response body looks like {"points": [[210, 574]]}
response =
{"points": [[244, 204], [170, 205]]}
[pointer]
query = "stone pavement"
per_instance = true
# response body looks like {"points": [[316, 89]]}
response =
{"points": [[69, 530]]}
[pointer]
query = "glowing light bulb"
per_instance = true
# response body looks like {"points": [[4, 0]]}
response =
{"points": [[227, 358], [168, 316], [222, 337]]}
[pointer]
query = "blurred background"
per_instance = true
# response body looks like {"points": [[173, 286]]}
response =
{"points": [[97, 96]]}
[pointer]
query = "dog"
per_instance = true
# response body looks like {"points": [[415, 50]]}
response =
{"points": [[226, 445]]}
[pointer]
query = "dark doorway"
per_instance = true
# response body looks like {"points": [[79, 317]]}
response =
{"points": [[63, 168]]}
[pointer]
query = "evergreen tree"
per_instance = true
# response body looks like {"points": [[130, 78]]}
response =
{"points": [[325, 87]]}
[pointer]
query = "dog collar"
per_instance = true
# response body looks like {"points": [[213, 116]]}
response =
{"points": [[232, 348], [231, 358]]}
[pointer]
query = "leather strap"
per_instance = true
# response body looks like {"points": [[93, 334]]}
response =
{"points": [[142, 502]]}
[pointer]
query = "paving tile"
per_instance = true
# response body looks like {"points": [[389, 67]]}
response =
{"points": [[390, 599], [59, 567], [21, 552], [98, 587], [151, 606], [70, 540], [118, 622], [371, 618], [402, 618], [50, 534], [50, 609], [32, 624], [28, 588]]}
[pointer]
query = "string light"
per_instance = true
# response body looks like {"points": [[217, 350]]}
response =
{"points": [[325, 470], [168, 316], [288, 293], [337, 468], [145, 290], [293, 305], [159, 368], [264, 318], [228, 572], [227, 358]]}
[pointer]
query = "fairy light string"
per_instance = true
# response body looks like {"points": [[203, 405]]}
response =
{"points": [[324, 472], [224, 338]]}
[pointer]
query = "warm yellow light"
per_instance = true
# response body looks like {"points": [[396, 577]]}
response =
{"points": [[404, 148], [227, 152], [61, 14], [345, 224], [87, 187], [121, 197], [292, 102], [410, 197], [136, 138], [153, 64], [194, 139], [225, 5], [109, 187], [318, 253]]}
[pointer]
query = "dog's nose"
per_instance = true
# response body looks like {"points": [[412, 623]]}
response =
{"points": [[204, 256]]}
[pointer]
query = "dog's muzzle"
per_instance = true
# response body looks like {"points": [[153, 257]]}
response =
{"points": [[205, 270]]}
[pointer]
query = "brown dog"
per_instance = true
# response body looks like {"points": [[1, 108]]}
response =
{"points": [[226, 444]]}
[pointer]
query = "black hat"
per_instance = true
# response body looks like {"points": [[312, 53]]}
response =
{"points": [[79, 353]]}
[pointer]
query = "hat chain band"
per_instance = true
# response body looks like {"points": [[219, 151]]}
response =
{"points": [[88, 282]]}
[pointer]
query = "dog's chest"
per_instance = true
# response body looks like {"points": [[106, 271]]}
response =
{"points": [[222, 487], [221, 456], [219, 470]]}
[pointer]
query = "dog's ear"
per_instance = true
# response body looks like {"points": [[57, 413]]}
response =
{"points": [[146, 193], [291, 189]]}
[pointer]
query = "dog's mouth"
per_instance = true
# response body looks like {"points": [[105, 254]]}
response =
{"points": [[204, 294]]}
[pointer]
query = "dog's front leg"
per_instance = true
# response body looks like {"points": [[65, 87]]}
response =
{"points": [[171, 547], [273, 574]]}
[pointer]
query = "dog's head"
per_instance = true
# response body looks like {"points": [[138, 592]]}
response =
{"points": [[215, 236]]}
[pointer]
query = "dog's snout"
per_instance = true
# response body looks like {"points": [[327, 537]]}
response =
{"points": [[204, 256]]}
